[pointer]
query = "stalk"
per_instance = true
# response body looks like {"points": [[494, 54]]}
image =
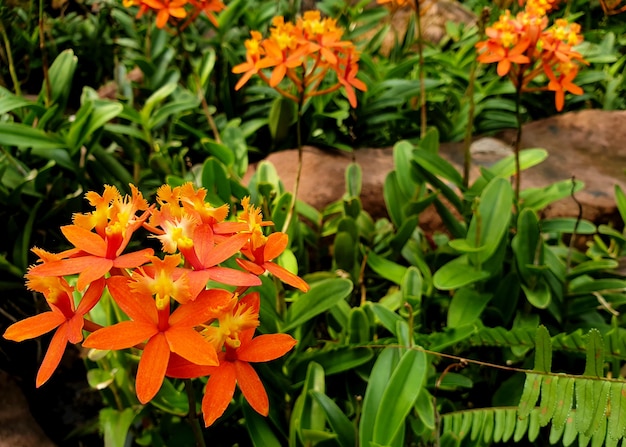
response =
{"points": [[7, 46]]}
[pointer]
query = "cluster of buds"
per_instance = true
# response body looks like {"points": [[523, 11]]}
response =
{"points": [[178, 9], [183, 329], [303, 52], [525, 46]]}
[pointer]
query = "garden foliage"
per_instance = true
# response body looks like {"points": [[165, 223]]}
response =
{"points": [[180, 280]]}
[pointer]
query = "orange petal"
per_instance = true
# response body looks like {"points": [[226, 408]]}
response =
{"points": [[53, 356], [222, 251], [275, 245], [85, 240], [266, 347], [252, 387], [121, 335], [208, 305], [250, 266], [132, 260], [96, 270], [218, 393], [138, 306], [286, 276], [181, 368], [34, 326], [152, 366], [188, 343], [91, 297], [234, 277]]}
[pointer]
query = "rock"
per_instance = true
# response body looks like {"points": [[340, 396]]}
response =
{"points": [[17, 426], [586, 145]]}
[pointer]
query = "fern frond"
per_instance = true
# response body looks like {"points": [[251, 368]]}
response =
{"points": [[589, 407], [614, 340]]}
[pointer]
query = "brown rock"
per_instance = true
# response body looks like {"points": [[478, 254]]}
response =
{"points": [[17, 426], [586, 145]]}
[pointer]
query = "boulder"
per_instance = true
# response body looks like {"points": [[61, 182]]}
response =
{"points": [[586, 145]]}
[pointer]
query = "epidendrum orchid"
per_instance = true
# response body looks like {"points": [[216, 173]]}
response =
{"points": [[303, 52], [167, 10], [182, 328], [524, 46]]}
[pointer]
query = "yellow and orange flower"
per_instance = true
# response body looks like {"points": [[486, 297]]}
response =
{"points": [[524, 46], [302, 52]]}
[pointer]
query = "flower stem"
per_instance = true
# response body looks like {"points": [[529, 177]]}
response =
{"points": [[193, 416], [518, 139], [420, 50], [44, 57], [7, 45], [299, 171]]}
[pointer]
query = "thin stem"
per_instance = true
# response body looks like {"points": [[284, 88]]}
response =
{"points": [[193, 416], [7, 45], [469, 130], [518, 137], [44, 56], [299, 171], [420, 51]]}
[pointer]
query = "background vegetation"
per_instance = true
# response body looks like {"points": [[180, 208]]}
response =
{"points": [[405, 338]]}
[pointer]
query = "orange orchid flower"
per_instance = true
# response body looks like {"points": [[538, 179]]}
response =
{"points": [[165, 333], [347, 75], [260, 260], [234, 365], [63, 316], [101, 251], [505, 57], [563, 83], [166, 9]]}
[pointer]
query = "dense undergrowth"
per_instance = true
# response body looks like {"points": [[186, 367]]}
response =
{"points": [[502, 327]]}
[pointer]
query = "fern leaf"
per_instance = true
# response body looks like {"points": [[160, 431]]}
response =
{"points": [[549, 388], [565, 391], [520, 429], [543, 350], [594, 366], [530, 394], [617, 411]]}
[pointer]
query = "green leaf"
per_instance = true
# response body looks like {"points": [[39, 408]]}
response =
{"points": [[283, 114], [547, 406], [338, 421], [23, 136], [354, 179], [377, 385], [60, 75], [567, 225], [322, 296], [466, 307], [593, 265], [530, 394], [565, 393], [154, 99], [543, 350], [399, 396], [527, 159], [491, 220], [402, 154], [594, 365], [458, 273], [617, 417], [620, 201], [385, 268], [307, 417], [437, 165], [115, 425], [258, 428]]}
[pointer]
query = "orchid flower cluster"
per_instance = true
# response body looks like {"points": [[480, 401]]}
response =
{"points": [[525, 46], [177, 9], [304, 52], [183, 329]]}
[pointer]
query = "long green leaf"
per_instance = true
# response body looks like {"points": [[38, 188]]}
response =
{"points": [[399, 396], [322, 296], [338, 421]]}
